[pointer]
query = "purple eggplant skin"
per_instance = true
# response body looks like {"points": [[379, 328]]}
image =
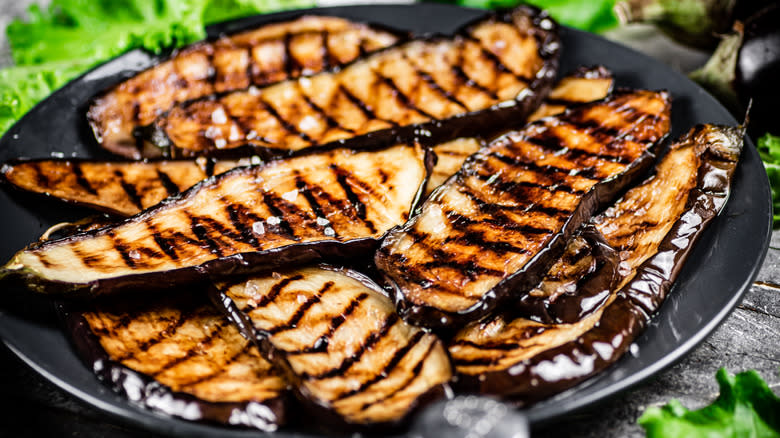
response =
{"points": [[627, 316], [326, 419], [504, 115], [591, 293], [758, 68], [143, 390]]}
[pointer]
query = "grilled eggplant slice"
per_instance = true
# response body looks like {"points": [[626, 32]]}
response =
{"points": [[125, 188], [494, 228], [256, 57], [494, 72], [334, 203], [350, 358], [585, 84], [577, 285], [116, 187], [528, 360], [179, 355]]}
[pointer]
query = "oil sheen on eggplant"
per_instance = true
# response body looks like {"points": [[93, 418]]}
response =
{"points": [[122, 188], [492, 73], [653, 227], [257, 57], [178, 355], [350, 358], [578, 283], [337, 203], [585, 84], [496, 226]]}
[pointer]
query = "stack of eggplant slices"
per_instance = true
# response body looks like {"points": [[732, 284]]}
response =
{"points": [[320, 218]]}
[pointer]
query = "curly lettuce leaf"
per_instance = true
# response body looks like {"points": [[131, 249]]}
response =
{"points": [[59, 43], [22, 87], [769, 149], [590, 15], [746, 407]]}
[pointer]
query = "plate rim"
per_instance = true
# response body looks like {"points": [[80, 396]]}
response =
{"points": [[136, 416]]}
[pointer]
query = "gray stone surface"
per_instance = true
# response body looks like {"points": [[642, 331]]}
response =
{"points": [[749, 338]]}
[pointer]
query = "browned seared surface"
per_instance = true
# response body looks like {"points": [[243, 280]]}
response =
{"points": [[513, 201], [121, 188], [271, 53], [288, 206], [584, 85], [495, 60], [345, 349], [653, 228], [187, 345]]}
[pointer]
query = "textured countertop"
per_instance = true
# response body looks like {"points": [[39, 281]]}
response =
{"points": [[748, 339]]}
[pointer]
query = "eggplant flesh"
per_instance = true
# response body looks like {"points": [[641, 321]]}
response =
{"points": [[492, 230], [585, 84], [527, 360], [349, 357], [494, 71], [337, 203], [577, 284], [180, 356], [122, 188], [257, 57]]}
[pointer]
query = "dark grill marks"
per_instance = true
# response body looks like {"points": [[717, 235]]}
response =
{"points": [[332, 123], [209, 170], [325, 51], [463, 224], [414, 375], [40, 177], [550, 142], [81, 181], [235, 219], [284, 228], [469, 82], [365, 109], [122, 248], [158, 337], [290, 63], [495, 60], [301, 311], [321, 344], [549, 171], [194, 352], [303, 188], [289, 127], [129, 189], [169, 185], [402, 98], [369, 343], [431, 82], [221, 370], [272, 293], [163, 243], [344, 179], [391, 364], [202, 233]]}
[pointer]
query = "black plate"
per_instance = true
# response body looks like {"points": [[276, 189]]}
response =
{"points": [[719, 271]]}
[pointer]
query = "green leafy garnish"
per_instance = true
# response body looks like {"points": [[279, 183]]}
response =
{"points": [[746, 407], [57, 44], [769, 149], [590, 15]]}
